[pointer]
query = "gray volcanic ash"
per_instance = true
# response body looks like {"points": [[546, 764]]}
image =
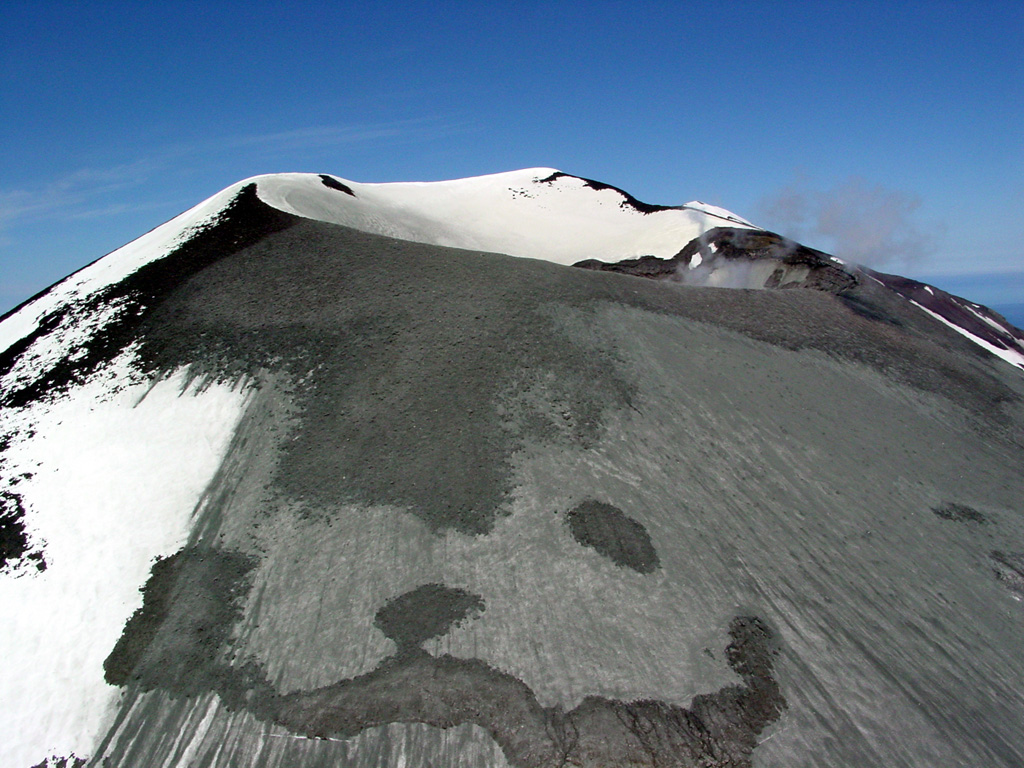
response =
{"points": [[330, 473]]}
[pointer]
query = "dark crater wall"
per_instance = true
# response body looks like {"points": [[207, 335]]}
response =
{"points": [[756, 244], [721, 245]]}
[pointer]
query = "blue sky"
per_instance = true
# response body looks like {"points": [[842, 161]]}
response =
{"points": [[892, 134]]}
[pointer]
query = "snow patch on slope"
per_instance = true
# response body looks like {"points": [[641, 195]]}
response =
{"points": [[109, 473]]}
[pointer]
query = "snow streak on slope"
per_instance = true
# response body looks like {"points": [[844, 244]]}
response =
{"points": [[981, 325], [537, 213], [109, 478], [1011, 356], [155, 244]]}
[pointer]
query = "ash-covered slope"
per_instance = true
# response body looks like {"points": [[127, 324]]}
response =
{"points": [[281, 489]]}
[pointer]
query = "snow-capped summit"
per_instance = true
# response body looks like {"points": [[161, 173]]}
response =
{"points": [[331, 473], [535, 213]]}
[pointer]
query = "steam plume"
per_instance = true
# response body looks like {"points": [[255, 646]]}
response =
{"points": [[861, 222]]}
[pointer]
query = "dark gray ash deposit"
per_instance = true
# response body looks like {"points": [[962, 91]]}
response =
{"points": [[610, 532], [362, 317], [177, 639], [960, 513], [425, 612], [1009, 570], [14, 542], [62, 762], [333, 183]]}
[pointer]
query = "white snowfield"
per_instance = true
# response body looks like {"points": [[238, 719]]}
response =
{"points": [[106, 500], [516, 213]]}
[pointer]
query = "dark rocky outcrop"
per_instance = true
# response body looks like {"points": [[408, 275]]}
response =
{"points": [[333, 183], [175, 641], [729, 247]]}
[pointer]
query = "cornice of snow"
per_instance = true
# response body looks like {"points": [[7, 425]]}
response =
{"points": [[537, 213]]}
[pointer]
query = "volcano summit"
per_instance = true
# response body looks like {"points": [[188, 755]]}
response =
{"points": [[514, 470]]}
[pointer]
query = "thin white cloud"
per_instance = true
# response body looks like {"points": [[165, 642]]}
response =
{"points": [[117, 209], [91, 193], [331, 135], [315, 137], [65, 197]]}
